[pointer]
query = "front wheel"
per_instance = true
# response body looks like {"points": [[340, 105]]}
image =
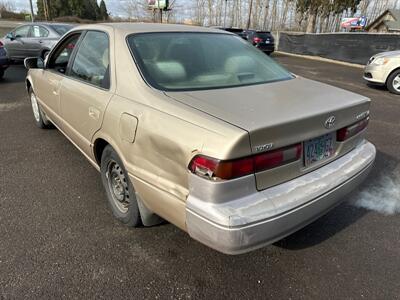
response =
{"points": [[393, 82], [39, 116], [121, 195]]}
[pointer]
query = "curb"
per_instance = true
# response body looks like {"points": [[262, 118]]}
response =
{"points": [[318, 58]]}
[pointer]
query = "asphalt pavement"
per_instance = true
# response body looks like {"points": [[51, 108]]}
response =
{"points": [[58, 238]]}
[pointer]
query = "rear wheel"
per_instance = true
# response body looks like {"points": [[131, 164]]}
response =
{"points": [[39, 116], [121, 195], [393, 82], [1, 73]]}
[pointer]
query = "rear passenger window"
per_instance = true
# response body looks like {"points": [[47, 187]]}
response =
{"points": [[39, 32], [91, 63]]}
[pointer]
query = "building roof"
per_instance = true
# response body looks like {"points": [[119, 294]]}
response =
{"points": [[392, 25]]}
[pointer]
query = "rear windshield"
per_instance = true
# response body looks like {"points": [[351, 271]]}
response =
{"points": [[61, 29], [264, 35], [176, 61]]}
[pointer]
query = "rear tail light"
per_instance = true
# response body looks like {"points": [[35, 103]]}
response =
{"points": [[215, 169], [276, 158], [350, 131], [1, 44], [257, 40]]}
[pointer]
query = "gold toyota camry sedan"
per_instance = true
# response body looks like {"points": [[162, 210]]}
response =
{"points": [[196, 126]]}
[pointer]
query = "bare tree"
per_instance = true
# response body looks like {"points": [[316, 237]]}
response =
{"points": [[6, 6]]}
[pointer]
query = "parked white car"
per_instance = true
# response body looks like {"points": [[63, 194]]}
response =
{"points": [[384, 69]]}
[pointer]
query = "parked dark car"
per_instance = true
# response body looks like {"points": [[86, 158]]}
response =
{"points": [[4, 61], [235, 30], [34, 39], [262, 40]]}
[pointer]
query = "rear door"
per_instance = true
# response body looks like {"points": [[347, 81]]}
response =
{"points": [[85, 92], [37, 36]]}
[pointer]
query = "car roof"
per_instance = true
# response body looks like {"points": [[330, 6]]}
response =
{"points": [[46, 24], [257, 31], [129, 28]]}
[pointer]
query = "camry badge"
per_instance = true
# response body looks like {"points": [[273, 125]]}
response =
{"points": [[264, 147], [330, 122]]}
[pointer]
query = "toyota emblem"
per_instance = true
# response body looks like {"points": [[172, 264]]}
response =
{"points": [[330, 122]]}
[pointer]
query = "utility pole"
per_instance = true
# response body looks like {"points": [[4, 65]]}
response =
{"points": [[249, 19], [32, 14]]}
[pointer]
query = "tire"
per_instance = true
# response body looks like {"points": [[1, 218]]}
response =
{"points": [[1, 73], [120, 193], [393, 82], [38, 115]]}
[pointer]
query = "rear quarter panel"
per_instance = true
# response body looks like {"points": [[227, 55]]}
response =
{"points": [[164, 143]]}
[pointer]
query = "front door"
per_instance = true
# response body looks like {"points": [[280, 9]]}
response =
{"points": [[49, 84], [17, 47], [84, 93]]}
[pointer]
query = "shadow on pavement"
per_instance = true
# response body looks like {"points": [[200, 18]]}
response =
{"points": [[15, 73], [377, 87]]}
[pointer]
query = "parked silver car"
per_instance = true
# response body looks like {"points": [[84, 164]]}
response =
{"points": [[35, 39]]}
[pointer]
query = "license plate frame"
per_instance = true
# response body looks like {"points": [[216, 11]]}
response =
{"points": [[319, 149]]}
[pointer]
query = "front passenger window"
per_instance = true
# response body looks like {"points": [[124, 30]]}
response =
{"points": [[91, 63], [22, 32], [59, 60]]}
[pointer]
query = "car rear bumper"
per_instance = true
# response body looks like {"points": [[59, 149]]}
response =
{"points": [[266, 47], [257, 218], [4, 63]]}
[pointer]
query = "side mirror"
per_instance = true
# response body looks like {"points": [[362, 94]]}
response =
{"points": [[10, 36], [34, 63]]}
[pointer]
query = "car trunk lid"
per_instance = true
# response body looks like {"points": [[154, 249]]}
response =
{"points": [[280, 114]]}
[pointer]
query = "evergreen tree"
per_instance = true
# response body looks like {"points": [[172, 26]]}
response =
{"points": [[103, 10], [85, 9]]}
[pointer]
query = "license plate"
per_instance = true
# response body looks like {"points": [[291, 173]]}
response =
{"points": [[318, 149]]}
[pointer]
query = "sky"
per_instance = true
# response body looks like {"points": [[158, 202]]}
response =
{"points": [[115, 7]]}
